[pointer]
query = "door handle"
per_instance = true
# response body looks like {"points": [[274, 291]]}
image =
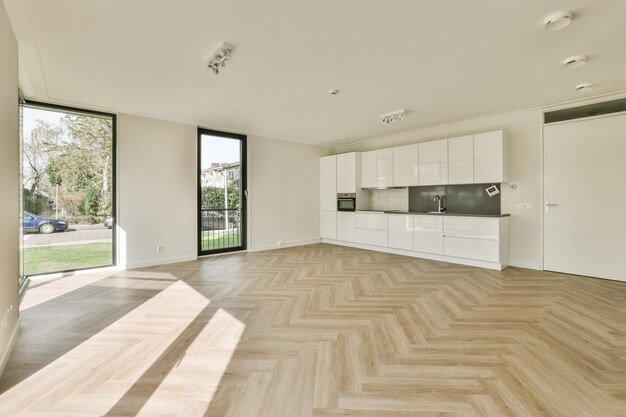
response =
{"points": [[548, 205]]}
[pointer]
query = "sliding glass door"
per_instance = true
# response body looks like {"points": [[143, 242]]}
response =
{"points": [[221, 192]]}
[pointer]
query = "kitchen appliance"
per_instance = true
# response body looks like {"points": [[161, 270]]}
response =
{"points": [[346, 202]]}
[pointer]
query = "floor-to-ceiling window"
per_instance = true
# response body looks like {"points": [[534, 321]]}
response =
{"points": [[221, 192], [68, 189]]}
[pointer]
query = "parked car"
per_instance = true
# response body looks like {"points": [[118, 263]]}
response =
{"points": [[108, 223], [34, 223]]}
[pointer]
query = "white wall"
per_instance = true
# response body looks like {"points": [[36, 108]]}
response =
{"points": [[283, 184], [157, 191], [156, 185], [524, 132], [9, 187]]}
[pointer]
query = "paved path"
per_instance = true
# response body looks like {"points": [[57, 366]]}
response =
{"points": [[76, 234]]}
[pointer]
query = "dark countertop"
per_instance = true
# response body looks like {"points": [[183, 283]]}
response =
{"points": [[446, 214]]}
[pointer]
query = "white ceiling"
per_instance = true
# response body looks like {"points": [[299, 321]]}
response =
{"points": [[442, 60]]}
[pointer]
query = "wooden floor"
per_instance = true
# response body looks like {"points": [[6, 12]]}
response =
{"points": [[320, 331]]}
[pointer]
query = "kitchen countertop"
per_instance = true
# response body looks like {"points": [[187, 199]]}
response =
{"points": [[433, 214]]}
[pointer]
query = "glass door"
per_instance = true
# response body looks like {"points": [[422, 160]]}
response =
{"points": [[221, 192]]}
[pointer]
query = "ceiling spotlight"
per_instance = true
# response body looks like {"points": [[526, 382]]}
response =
{"points": [[218, 58], [575, 61], [333, 91], [584, 87], [558, 20], [393, 117]]}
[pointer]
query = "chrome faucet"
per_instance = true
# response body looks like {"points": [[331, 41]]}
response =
{"points": [[441, 203]]}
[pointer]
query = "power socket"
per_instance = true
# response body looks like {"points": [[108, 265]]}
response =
{"points": [[524, 205], [160, 249]]}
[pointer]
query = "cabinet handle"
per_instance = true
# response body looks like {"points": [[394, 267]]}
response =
{"points": [[548, 205]]}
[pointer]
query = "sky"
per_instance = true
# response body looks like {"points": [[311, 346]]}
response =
{"points": [[31, 115], [217, 149]]}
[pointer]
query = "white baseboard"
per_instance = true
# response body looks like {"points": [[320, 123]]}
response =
{"points": [[289, 244], [442, 258], [161, 261], [9, 347], [525, 264]]}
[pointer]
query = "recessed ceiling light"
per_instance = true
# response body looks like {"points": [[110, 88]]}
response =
{"points": [[558, 20], [393, 117], [575, 61], [333, 91], [584, 87]]}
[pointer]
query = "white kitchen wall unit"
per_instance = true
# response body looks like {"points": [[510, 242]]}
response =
{"points": [[371, 228], [346, 226], [368, 169], [328, 224], [484, 239], [433, 162], [428, 234], [328, 183], [461, 160], [490, 157], [377, 168], [384, 168], [348, 170], [406, 165], [400, 231]]}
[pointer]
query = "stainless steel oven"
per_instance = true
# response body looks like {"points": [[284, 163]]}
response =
{"points": [[346, 202]]}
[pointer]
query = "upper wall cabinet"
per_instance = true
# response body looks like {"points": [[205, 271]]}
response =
{"points": [[433, 162], [406, 166], [384, 168], [377, 169], [368, 169], [328, 183], [461, 160], [490, 157], [347, 166]]}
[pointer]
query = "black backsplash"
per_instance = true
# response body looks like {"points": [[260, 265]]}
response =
{"points": [[463, 198]]}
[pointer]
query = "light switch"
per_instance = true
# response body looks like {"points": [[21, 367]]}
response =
{"points": [[524, 205]]}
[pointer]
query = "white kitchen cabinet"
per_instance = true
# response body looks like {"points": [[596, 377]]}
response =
{"points": [[328, 183], [347, 172], [371, 228], [428, 234], [400, 231], [346, 227], [484, 239], [433, 162], [490, 157], [384, 168], [328, 224], [461, 160], [406, 165], [368, 169]]}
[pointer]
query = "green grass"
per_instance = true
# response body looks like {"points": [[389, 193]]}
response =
{"points": [[50, 259], [227, 240]]}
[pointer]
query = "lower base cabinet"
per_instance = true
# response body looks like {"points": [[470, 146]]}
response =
{"points": [[400, 231], [428, 234], [371, 229], [346, 226], [328, 224]]}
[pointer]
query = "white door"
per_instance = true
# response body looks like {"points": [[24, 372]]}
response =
{"points": [[461, 160], [328, 183], [406, 166], [346, 226], [585, 196], [384, 168], [328, 224], [368, 169], [346, 173]]}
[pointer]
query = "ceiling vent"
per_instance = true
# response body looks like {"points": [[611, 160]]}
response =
{"points": [[575, 61]]}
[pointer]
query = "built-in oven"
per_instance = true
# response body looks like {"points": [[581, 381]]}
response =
{"points": [[346, 202]]}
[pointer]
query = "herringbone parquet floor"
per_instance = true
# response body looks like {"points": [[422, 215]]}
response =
{"points": [[320, 331]]}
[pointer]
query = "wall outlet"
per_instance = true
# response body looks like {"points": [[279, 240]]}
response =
{"points": [[524, 205], [280, 243], [160, 249]]}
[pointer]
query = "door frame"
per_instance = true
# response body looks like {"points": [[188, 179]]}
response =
{"points": [[113, 117], [243, 157]]}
